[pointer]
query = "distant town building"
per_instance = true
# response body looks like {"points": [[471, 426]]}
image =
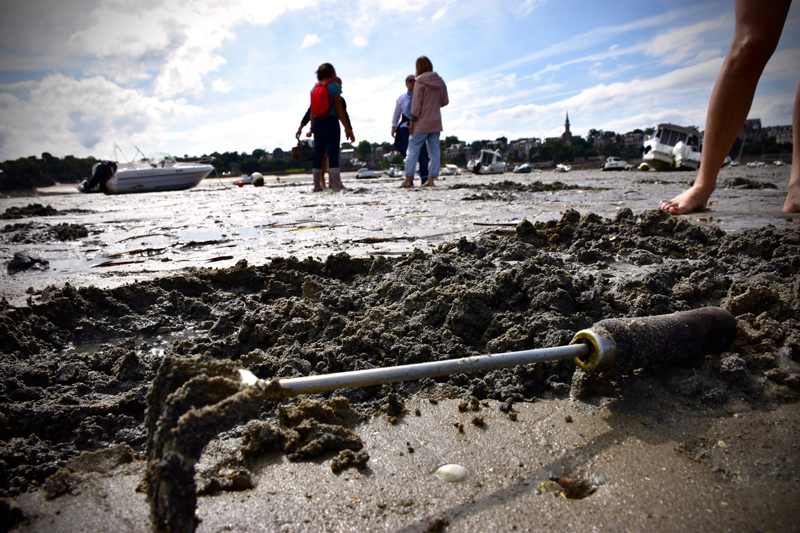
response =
{"points": [[348, 154], [781, 134], [600, 140], [751, 131], [632, 138], [455, 150], [523, 147]]}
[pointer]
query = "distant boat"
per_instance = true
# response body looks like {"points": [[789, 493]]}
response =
{"points": [[157, 172], [756, 164], [672, 147], [524, 168], [393, 172], [366, 173], [449, 170], [615, 163], [779, 163], [561, 167], [490, 162]]}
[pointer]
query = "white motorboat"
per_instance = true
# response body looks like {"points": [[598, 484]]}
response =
{"points": [[449, 170], [366, 173], [522, 169], [561, 167], [615, 163], [756, 164], [157, 172], [490, 162], [672, 147], [779, 163]]}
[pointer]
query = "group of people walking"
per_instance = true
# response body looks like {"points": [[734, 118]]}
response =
{"points": [[416, 124]]}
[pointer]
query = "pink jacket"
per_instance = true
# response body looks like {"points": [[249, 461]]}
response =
{"points": [[430, 95]]}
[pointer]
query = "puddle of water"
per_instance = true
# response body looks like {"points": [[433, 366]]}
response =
{"points": [[155, 345]]}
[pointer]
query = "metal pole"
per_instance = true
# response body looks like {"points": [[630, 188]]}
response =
{"points": [[378, 376]]}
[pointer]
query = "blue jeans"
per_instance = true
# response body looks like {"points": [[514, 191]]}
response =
{"points": [[326, 139], [415, 143], [402, 145]]}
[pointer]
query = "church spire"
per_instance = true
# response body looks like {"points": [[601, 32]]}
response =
{"points": [[567, 136]]}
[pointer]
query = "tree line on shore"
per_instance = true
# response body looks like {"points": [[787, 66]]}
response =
{"points": [[33, 172]]}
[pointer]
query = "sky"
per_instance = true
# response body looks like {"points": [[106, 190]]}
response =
{"points": [[190, 77]]}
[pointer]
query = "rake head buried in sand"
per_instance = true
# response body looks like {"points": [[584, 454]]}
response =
{"points": [[621, 344]]}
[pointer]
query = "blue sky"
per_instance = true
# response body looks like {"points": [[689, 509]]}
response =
{"points": [[191, 77]]}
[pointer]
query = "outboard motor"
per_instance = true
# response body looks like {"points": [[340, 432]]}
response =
{"points": [[101, 173]]}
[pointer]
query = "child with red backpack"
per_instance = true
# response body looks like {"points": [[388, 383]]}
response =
{"points": [[326, 112]]}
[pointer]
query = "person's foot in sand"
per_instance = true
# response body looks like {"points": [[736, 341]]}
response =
{"points": [[691, 200], [792, 204]]}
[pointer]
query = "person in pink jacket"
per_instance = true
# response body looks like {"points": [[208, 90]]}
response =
{"points": [[429, 97]]}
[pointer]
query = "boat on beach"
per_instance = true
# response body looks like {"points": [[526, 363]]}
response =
{"points": [[489, 162], [561, 167], [366, 173], [672, 147], [522, 169], [615, 163], [157, 172], [449, 170]]}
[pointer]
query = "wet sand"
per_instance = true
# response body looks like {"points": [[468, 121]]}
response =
{"points": [[289, 283]]}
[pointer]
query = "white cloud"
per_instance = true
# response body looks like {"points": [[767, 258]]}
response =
{"points": [[687, 44], [220, 86], [174, 40], [360, 42], [679, 96], [81, 117], [309, 40], [527, 6]]}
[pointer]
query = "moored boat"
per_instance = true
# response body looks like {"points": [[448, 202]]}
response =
{"points": [[522, 169], [672, 147], [157, 172], [615, 163], [490, 162]]}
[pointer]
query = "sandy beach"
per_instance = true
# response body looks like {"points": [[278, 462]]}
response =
{"points": [[181, 289]]}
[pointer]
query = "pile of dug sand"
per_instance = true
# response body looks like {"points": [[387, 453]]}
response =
{"points": [[77, 363]]}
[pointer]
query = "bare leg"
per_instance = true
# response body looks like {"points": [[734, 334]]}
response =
{"points": [[792, 204], [758, 29]]}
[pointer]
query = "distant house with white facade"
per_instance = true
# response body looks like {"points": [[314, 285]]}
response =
{"points": [[455, 150], [600, 140], [781, 134], [632, 138]]}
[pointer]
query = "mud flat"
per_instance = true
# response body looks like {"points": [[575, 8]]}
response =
{"points": [[377, 277]]}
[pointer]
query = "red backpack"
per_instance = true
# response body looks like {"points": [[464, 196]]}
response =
{"points": [[320, 101]]}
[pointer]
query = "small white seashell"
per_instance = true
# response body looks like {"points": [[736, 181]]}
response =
{"points": [[451, 473]]}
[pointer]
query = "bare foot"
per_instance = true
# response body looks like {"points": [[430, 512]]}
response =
{"points": [[429, 183], [691, 200], [792, 204]]}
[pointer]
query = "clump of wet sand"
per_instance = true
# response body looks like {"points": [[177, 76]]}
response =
{"points": [[78, 363]]}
